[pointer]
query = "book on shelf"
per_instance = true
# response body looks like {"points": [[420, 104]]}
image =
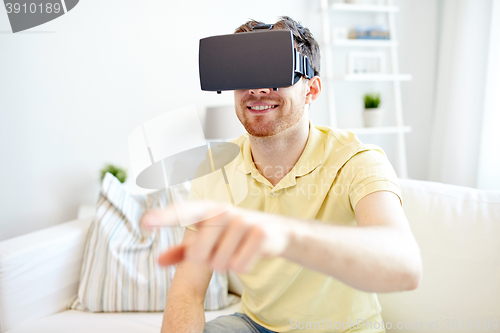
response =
{"points": [[370, 32]]}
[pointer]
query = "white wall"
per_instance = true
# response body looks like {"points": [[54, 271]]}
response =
{"points": [[418, 31], [72, 90]]}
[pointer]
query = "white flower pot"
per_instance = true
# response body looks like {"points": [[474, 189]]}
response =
{"points": [[373, 117]]}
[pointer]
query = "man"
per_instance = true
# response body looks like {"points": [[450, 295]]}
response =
{"points": [[319, 233]]}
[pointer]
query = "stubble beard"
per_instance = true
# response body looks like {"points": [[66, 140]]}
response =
{"points": [[260, 126]]}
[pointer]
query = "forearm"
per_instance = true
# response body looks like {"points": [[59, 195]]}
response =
{"points": [[369, 258], [183, 314]]}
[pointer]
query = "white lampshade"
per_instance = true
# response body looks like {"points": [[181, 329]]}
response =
{"points": [[221, 123]]}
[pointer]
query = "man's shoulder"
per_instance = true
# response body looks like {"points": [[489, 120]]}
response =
{"points": [[339, 142], [342, 146], [337, 137]]}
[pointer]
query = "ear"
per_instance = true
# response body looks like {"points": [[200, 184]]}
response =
{"points": [[313, 89]]}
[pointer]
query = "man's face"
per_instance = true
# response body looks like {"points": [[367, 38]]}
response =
{"points": [[264, 112]]}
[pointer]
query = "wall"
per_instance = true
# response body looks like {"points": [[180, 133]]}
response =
{"points": [[418, 31], [72, 90]]}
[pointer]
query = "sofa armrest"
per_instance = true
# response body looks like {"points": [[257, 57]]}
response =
{"points": [[40, 272]]}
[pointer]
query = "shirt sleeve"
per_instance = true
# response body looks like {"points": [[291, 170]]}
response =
{"points": [[367, 172]]}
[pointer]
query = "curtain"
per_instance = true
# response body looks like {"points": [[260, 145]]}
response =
{"points": [[466, 121], [489, 155]]}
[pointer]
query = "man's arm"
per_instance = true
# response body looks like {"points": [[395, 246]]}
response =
{"points": [[378, 255], [184, 310]]}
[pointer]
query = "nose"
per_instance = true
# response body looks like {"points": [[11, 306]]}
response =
{"points": [[260, 91]]}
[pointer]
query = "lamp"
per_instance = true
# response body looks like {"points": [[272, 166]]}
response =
{"points": [[221, 123]]}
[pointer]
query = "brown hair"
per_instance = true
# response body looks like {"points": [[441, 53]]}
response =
{"points": [[304, 39]]}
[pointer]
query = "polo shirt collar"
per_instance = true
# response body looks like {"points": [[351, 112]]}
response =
{"points": [[309, 160]]}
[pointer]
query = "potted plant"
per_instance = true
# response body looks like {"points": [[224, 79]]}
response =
{"points": [[118, 172], [372, 115]]}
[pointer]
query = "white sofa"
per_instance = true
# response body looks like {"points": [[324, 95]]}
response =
{"points": [[457, 228]]}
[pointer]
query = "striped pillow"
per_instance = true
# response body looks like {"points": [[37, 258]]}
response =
{"points": [[120, 271]]}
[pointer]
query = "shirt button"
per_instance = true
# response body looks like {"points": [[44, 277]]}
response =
{"points": [[272, 194]]}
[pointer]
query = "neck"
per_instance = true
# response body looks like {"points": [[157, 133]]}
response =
{"points": [[275, 156]]}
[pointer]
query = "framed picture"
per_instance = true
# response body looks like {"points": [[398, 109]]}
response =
{"points": [[366, 63]]}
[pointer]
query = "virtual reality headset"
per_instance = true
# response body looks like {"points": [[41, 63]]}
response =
{"points": [[261, 58]]}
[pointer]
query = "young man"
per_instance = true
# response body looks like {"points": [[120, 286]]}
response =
{"points": [[319, 233]]}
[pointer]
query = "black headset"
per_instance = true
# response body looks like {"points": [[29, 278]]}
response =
{"points": [[264, 58]]}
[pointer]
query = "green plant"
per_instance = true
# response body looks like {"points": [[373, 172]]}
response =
{"points": [[371, 101], [118, 172]]}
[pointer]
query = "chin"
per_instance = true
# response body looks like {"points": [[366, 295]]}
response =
{"points": [[270, 124], [268, 129], [260, 131]]}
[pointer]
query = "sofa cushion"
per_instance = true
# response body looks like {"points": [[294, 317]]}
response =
{"points": [[39, 272], [120, 271], [458, 231], [84, 322]]}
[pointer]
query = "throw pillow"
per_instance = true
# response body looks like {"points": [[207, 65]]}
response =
{"points": [[120, 271]]}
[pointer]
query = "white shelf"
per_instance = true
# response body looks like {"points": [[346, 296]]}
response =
{"points": [[383, 9], [364, 8], [379, 130], [373, 77], [364, 43]]}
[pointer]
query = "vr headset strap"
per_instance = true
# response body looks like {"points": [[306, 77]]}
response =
{"points": [[302, 67]]}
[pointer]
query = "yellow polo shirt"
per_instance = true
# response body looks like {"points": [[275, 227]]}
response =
{"points": [[334, 172]]}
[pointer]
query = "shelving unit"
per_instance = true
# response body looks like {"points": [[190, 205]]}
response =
{"points": [[394, 77], [362, 43], [373, 77], [379, 130], [363, 8]]}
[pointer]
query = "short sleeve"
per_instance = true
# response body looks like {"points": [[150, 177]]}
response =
{"points": [[367, 172]]}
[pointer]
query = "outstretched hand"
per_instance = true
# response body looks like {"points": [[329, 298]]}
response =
{"points": [[228, 238]]}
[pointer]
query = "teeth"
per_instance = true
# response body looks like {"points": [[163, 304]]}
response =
{"points": [[262, 107]]}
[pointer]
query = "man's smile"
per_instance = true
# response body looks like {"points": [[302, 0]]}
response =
{"points": [[260, 108]]}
